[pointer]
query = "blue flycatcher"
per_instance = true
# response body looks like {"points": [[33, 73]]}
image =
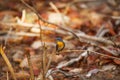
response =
{"points": [[59, 44]]}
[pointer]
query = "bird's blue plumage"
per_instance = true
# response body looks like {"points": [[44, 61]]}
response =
{"points": [[59, 44], [59, 39]]}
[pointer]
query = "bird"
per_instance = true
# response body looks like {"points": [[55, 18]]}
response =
{"points": [[59, 44]]}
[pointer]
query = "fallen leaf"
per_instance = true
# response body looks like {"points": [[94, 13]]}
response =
{"points": [[76, 70], [22, 75], [36, 70], [17, 57], [117, 61], [92, 72], [91, 59], [108, 67], [28, 40], [58, 18]]}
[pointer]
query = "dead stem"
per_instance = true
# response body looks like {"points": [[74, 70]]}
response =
{"points": [[7, 62], [30, 65], [50, 60], [40, 34], [7, 74], [92, 52], [75, 1], [40, 18]]}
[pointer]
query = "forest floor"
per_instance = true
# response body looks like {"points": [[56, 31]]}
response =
{"points": [[29, 31]]}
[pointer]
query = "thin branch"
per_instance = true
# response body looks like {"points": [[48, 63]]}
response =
{"points": [[108, 50], [100, 30], [66, 29], [39, 17], [8, 35], [7, 62], [83, 37], [93, 52], [30, 65], [85, 53]]}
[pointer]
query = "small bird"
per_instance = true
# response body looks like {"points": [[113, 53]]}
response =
{"points": [[59, 44]]}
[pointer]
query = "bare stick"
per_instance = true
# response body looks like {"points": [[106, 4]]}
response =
{"points": [[78, 58], [8, 35], [7, 62], [34, 10], [83, 37], [30, 66]]}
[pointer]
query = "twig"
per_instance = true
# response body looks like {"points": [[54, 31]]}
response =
{"points": [[115, 17], [50, 77], [90, 49], [54, 7], [93, 52], [106, 55], [25, 34], [108, 50], [83, 37], [23, 16], [95, 40], [7, 75], [7, 62], [103, 32], [100, 30], [39, 17], [35, 27], [65, 73], [34, 10], [63, 22], [74, 2], [44, 62], [43, 45], [30, 65], [8, 35], [84, 54], [50, 60]]}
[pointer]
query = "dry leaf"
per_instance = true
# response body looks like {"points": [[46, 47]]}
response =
{"points": [[17, 57], [91, 59], [92, 72], [76, 70], [117, 61], [108, 67], [22, 75], [58, 18]]}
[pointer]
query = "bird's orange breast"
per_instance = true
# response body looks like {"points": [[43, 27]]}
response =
{"points": [[60, 44]]}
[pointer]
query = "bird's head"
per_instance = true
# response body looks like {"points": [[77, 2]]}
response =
{"points": [[59, 39]]}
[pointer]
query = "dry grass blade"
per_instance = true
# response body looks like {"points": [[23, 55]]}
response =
{"points": [[49, 62], [30, 66], [44, 64], [7, 62], [7, 75]]}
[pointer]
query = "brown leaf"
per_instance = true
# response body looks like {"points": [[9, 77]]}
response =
{"points": [[91, 59], [76, 70], [57, 58], [36, 70], [28, 40], [117, 61], [22, 75], [105, 61]]}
